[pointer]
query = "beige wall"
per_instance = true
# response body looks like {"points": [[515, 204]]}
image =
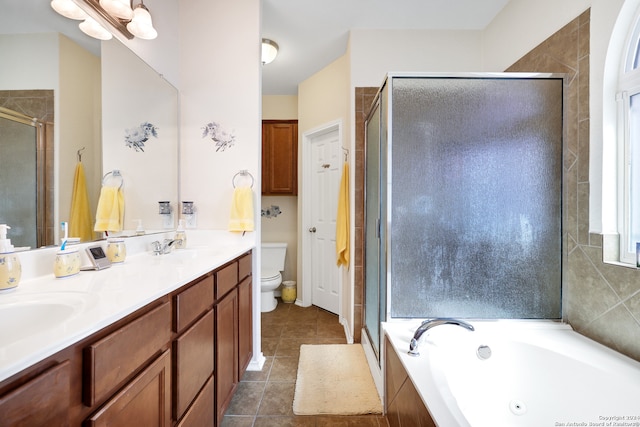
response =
{"points": [[80, 115], [322, 99], [284, 227], [279, 107], [210, 91]]}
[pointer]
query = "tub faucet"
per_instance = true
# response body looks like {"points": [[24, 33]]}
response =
{"points": [[432, 323]]}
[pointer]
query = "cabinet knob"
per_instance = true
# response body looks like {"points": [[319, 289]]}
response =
{"points": [[312, 230]]}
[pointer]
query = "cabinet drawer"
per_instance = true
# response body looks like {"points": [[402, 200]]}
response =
{"points": [[201, 412], [113, 359], [42, 401], [193, 353], [191, 303], [226, 279], [244, 266], [142, 402]]}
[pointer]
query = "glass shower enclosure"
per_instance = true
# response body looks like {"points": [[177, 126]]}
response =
{"points": [[463, 198]]}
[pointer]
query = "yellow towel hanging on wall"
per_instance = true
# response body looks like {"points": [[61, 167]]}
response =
{"points": [[242, 210], [110, 211], [342, 219], [80, 219]]}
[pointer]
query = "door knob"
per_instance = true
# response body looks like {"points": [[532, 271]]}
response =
{"points": [[312, 230]]}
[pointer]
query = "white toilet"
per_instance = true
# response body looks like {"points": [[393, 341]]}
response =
{"points": [[272, 263]]}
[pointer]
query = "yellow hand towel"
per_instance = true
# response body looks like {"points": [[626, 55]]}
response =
{"points": [[342, 219], [80, 220], [242, 210], [110, 211]]}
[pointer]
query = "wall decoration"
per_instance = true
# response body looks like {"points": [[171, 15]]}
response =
{"points": [[136, 137], [271, 212], [222, 139]]}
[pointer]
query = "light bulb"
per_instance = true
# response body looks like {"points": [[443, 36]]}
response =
{"points": [[118, 8], [68, 9], [92, 28], [141, 25]]}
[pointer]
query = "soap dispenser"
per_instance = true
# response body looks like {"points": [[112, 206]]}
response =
{"points": [[10, 267], [139, 228], [181, 236]]}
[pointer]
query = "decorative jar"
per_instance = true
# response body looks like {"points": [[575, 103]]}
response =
{"points": [[116, 250], [67, 263]]}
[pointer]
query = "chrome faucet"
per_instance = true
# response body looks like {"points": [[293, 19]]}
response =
{"points": [[164, 247], [432, 323]]}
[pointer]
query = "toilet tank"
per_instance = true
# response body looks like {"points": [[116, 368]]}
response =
{"points": [[272, 256]]}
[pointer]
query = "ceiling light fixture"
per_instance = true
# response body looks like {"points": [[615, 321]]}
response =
{"points": [[269, 51], [130, 21]]}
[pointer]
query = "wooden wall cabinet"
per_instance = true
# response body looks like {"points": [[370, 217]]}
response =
{"points": [[279, 157], [404, 405], [174, 362]]}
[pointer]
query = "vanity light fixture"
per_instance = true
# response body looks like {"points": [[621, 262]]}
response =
{"points": [[68, 9], [141, 25], [118, 8], [92, 28], [269, 51], [130, 21]]}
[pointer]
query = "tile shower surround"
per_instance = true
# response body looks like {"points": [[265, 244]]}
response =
{"points": [[601, 301]]}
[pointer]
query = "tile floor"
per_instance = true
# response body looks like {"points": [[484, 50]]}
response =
{"points": [[265, 398]]}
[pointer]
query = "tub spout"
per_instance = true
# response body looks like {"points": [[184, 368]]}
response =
{"points": [[432, 323]]}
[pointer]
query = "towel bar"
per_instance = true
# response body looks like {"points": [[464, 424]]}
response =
{"points": [[243, 172], [114, 174]]}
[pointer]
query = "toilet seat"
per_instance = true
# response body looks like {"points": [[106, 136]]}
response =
{"points": [[269, 275]]}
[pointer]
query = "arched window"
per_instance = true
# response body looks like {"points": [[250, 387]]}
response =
{"points": [[628, 99]]}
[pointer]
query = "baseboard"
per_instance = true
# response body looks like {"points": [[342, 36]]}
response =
{"points": [[257, 362], [376, 371], [347, 332]]}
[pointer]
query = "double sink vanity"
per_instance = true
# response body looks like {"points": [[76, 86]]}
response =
{"points": [[154, 341]]}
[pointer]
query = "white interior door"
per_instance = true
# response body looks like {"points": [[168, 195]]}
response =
{"points": [[326, 167]]}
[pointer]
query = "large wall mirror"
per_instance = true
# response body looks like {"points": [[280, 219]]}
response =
{"points": [[95, 99]]}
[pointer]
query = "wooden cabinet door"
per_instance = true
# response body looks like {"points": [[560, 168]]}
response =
{"points": [[245, 325], [280, 157], [144, 401], [201, 414], [193, 353], [226, 353], [43, 401]]}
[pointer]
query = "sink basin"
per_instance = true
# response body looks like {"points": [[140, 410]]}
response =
{"points": [[185, 254], [25, 315]]}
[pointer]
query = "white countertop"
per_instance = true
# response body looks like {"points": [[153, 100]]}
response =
{"points": [[81, 305]]}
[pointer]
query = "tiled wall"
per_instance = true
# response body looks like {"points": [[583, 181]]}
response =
{"points": [[364, 98], [601, 301]]}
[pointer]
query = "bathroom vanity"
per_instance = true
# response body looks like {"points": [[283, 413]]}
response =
{"points": [[174, 361]]}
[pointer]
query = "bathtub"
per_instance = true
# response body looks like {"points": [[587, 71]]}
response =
{"points": [[526, 373]]}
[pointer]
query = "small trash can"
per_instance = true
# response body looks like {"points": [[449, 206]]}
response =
{"points": [[289, 291]]}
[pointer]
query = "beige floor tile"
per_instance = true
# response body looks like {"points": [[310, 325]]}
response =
{"points": [[284, 369], [246, 399], [277, 399]]}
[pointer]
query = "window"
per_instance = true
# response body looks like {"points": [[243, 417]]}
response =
{"points": [[629, 131]]}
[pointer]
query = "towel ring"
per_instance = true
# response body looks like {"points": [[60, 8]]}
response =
{"points": [[114, 174], [243, 172]]}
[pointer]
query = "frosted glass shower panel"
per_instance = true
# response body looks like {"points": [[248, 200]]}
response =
{"points": [[476, 178]]}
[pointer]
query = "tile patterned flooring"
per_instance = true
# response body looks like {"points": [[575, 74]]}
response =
{"points": [[265, 398]]}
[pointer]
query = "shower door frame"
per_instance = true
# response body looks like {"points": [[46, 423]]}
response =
{"points": [[44, 203]]}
